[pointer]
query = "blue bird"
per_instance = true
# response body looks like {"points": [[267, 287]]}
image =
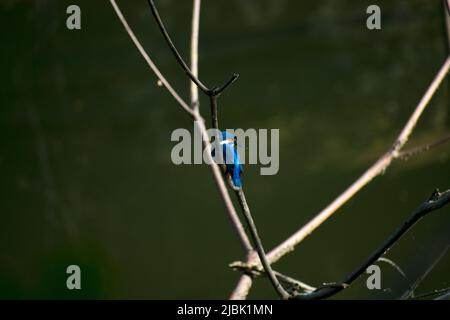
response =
{"points": [[231, 158]]}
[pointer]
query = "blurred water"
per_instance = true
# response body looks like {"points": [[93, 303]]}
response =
{"points": [[85, 149]]}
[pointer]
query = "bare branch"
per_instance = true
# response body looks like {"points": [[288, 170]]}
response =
{"points": [[295, 284], [376, 169], [447, 21], [443, 292], [445, 296], [291, 282], [406, 154], [243, 287], [218, 91], [194, 49], [259, 247], [288, 245], [214, 116], [410, 292], [174, 49], [393, 265], [149, 61], [213, 100], [199, 123], [435, 202], [191, 75], [214, 93]]}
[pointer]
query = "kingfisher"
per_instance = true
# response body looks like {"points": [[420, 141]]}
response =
{"points": [[233, 164]]}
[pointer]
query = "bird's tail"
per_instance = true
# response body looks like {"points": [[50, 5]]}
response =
{"points": [[236, 177]]}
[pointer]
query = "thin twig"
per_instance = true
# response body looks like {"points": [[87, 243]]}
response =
{"points": [[296, 284], [290, 243], [214, 117], [293, 283], [194, 87], [447, 21], [219, 90], [435, 202], [149, 61], [393, 265], [199, 122], [257, 243], [376, 169], [445, 296], [191, 75], [249, 219], [406, 154], [433, 293], [195, 30], [214, 93], [174, 49], [409, 293], [259, 247], [241, 289]]}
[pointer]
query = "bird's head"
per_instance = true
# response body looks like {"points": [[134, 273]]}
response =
{"points": [[227, 138]]}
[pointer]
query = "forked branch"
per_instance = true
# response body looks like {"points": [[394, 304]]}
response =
{"points": [[436, 201], [199, 122], [213, 94], [215, 91], [376, 169]]}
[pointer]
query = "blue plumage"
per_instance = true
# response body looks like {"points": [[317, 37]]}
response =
{"points": [[231, 158]]}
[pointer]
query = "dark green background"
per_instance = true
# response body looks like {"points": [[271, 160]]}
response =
{"points": [[86, 176]]}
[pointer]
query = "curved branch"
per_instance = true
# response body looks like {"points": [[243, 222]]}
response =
{"points": [[376, 169], [191, 75], [435, 202], [213, 101], [214, 93], [149, 61], [199, 122]]}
